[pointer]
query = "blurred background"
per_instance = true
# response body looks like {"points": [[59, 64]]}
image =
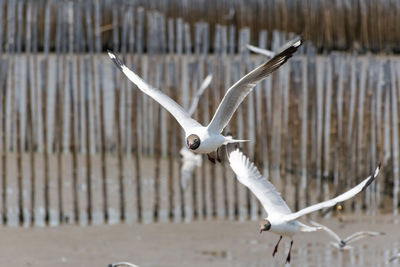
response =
{"points": [[82, 145]]}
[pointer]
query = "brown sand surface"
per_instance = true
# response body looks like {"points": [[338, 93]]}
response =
{"points": [[199, 243]]}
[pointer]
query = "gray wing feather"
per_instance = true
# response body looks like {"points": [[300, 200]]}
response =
{"points": [[331, 202], [174, 108], [235, 95], [248, 175]]}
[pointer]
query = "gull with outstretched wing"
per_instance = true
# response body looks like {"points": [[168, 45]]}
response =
{"points": [[280, 220], [207, 139], [343, 243]]}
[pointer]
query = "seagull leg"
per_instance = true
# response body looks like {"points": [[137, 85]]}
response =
{"points": [[290, 250], [211, 158], [276, 247]]}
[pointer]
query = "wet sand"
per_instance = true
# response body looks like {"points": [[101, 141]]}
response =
{"points": [[205, 243]]}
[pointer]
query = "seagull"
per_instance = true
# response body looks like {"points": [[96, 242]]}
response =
{"points": [[207, 139], [280, 220], [122, 264], [190, 162], [343, 243], [261, 51], [395, 257]]}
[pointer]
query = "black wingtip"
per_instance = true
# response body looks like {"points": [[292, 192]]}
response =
{"points": [[373, 176], [291, 46], [117, 61]]}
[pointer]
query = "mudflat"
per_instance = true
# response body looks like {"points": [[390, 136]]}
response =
{"points": [[199, 243]]}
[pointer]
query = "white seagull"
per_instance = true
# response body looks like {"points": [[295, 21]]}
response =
{"points": [[191, 160], [206, 139], [280, 220], [395, 257], [343, 243], [261, 51], [122, 264]]}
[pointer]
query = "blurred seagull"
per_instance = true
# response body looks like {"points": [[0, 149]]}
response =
{"points": [[189, 159], [207, 139], [395, 257], [280, 220], [122, 264], [261, 51], [343, 243]]}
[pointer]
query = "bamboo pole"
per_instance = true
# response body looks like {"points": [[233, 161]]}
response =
{"points": [[88, 144], [4, 161]]}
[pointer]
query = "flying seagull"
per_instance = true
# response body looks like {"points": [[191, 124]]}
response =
{"points": [[122, 264], [207, 139], [191, 160], [261, 51], [280, 220], [343, 243], [395, 257]]}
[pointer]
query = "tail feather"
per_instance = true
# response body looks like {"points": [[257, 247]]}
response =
{"points": [[229, 140]]}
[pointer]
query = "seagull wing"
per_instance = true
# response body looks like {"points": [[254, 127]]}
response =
{"points": [[190, 162], [329, 203], [235, 95], [261, 51], [199, 93], [174, 108], [326, 229], [360, 235], [249, 176]]}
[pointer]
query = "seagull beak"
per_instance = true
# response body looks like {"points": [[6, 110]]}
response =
{"points": [[261, 230]]}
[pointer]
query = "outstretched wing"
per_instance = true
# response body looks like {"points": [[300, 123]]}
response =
{"points": [[199, 93], [249, 176], [328, 230], [329, 203], [176, 110], [359, 235], [261, 51], [235, 95]]}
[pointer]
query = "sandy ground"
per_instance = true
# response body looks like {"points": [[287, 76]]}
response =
{"points": [[206, 243]]}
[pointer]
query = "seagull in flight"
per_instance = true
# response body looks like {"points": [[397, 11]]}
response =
{"points": [[343, 243], [191, 160], [280, 220], [122, 264], [207, 139], [395, 257]]}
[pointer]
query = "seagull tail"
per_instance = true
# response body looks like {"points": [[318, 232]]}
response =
{"points": [[229, 140]]}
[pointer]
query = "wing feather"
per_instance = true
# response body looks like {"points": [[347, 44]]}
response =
{"points": [[328, 230], [235, 95], [248, 175], [359, 235], [331, 202], [199, 93], [174, 108]]}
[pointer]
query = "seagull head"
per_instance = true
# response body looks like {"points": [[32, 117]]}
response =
{"points": [[193, 141], [265, 225]]}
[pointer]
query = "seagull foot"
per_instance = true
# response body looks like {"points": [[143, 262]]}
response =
{"points": [[290, 250], [276, 247], [288, 258]]}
